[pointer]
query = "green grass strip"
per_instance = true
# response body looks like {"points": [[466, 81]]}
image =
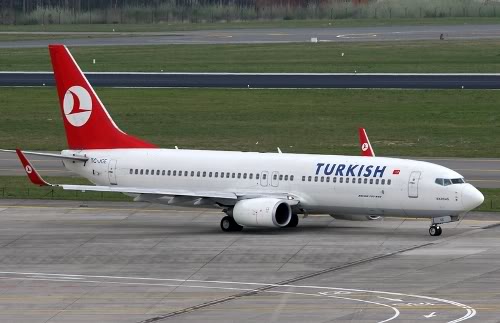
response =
{"points": [[397, 57]]}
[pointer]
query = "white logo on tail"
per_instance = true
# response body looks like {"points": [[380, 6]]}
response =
{"points": [[28, 169], [77, 106], [364, 146]]}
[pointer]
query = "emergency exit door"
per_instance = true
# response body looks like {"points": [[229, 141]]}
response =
{"points": [[413, 184], [112, 172]]}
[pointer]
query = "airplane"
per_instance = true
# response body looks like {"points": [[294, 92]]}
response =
{"points": [[267, 190]]}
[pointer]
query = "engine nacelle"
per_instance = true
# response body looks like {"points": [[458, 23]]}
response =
{"points": [[262, 212], [355, 217]]}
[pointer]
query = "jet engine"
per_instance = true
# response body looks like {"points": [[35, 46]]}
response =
{"points": [[355, 217], [262, 212]]}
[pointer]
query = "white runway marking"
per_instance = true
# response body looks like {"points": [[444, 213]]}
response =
{"points": [[396, 304]]}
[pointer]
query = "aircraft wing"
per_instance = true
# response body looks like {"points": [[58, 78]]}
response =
{"points": [[364, 142], [151, 193]]}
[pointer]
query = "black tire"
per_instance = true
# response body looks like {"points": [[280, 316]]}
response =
{"points": [[433, 231], [439, 231], [227, 224], [294, 221]]}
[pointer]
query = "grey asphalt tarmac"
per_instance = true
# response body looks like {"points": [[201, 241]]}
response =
{"points": [[481, 172], [268, 35], [61, 261], [267, 80]]}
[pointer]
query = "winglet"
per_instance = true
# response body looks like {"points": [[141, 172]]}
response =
{"points": [[364, 142], [33, 175]]}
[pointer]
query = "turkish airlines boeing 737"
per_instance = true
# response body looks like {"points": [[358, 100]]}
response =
{"points": [[253, 189]]}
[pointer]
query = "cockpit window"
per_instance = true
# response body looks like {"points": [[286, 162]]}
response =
{"points": [[447, 181]]}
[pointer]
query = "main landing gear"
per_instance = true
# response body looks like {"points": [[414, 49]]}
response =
{"points": [[435, 230], [227, 224]]}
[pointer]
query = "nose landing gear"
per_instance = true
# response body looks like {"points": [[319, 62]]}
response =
{"points": [[435, 230]]}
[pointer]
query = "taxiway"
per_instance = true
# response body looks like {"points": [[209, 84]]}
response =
{"points": [[133, 262]]}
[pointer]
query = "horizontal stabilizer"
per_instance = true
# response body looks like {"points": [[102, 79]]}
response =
{"points": [[74, 157]]}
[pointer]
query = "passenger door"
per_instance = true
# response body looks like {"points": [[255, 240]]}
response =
{"points": [[413, 184], [112, 172]]}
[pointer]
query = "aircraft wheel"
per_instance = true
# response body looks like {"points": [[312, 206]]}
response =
{"points": [[435, 230], [294, 221], [227, 224]]}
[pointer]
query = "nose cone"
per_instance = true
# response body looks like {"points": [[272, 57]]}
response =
{"points": [[471, 197]]}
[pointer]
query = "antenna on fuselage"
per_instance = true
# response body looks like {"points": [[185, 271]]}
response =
{"points": [[279, 150]]}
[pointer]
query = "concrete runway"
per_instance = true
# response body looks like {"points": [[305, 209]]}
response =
{"points": [[132, 262], [480, 172], [267, 80], [264, 35]]}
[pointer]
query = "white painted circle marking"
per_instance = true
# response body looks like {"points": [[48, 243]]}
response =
{"points": [[77, 113], [119, 280]]}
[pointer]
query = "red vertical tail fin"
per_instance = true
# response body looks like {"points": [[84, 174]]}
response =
{"points": [[87, 123], [364, 142]]}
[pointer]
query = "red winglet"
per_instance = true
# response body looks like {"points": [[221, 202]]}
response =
{"points": [[33, 175], [364, 142]]}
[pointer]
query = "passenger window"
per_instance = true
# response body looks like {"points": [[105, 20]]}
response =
{"points": [[347, 180], [204, 174], [239, 175], [152, 172], [198, 174], [359, 180], [303, 178], [341, 179], [382, 182], [131, 171], [169, 173], [291, 177], [371, 180], [315, 178], [365, 181], [192, 173], [334, 180], [281, 177], [221, 174], [142, 171], [186, 173], [136, 171], [327, 179], [286, 177], [250, 176], [180, 173], [157, 172], [309, 178], [322, 179], [147, 171], [257, 176], [244, 175], [227, 175], [376, 181], [174, 173], [233, 175], [210, 174], [163, 173], [388, 182], [216, 174], [275, 177], [264, 176]]}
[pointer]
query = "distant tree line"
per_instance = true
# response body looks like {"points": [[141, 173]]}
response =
{"points": [[79, 5]]}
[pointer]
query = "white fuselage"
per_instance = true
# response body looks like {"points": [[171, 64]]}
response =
{"points": [[323, 183]]}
